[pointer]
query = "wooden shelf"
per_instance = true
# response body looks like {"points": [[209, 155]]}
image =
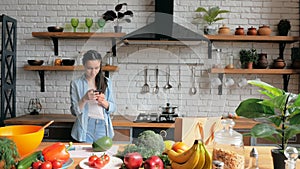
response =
{"points": [[77, 35], [246, 38], [41, 70], [256, 71], [66, 68]]}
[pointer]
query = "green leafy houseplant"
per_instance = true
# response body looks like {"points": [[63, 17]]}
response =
{"points": [[211, 14], [117, 16], [280, 113], [283, 27], [247, 56]]}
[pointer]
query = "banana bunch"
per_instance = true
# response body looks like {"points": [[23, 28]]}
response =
{"points": [[196, 157]]}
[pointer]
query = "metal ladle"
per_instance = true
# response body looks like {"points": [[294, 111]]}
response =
{"points": [[156, 88], [193, 89], [168, 85]]}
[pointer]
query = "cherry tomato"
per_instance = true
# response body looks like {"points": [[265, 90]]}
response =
{"points": [[46, 165], [92, 159], [56, 164], [99, 163], [36, 165], [106, 158]]}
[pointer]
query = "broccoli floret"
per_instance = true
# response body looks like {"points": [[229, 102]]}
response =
{"points": [[150, 140], [147, 144]]}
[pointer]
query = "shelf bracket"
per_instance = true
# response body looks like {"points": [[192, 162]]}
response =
{"points": [[55, 43], [281, 49], [220, 89], [42, 79], [286, 79], [209, 50], [114, 47]]}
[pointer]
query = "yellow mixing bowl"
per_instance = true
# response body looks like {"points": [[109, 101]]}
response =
{"points": [[26, 137]]}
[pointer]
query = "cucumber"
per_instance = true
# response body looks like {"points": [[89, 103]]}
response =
{"points": [[26, 162]]}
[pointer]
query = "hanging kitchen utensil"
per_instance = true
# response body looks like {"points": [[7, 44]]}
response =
{"points": [[168, 85], [145, 88], [156, 88], [179, 78], [193, 89]]}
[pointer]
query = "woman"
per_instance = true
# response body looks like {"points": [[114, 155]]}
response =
{"points": [[92, 101]]}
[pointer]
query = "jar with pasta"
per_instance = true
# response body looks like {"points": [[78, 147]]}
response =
{"points": [[228, 146]]}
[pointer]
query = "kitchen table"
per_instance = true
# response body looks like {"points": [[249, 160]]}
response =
{"points": [[264, 155]]}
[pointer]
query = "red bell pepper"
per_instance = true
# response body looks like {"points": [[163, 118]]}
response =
{"points": [[56, 151]]}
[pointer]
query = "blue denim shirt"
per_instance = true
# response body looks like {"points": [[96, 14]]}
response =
{"points": [[78, 89]]}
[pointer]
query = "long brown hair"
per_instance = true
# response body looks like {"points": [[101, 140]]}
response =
{"points": [[100, 80]]}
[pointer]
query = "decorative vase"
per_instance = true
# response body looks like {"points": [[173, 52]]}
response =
{"points": [[264, 30], [224, 30], [118, 29], [262, 61], [278, 159], [278, 63], [239, 31], [252, 31]]}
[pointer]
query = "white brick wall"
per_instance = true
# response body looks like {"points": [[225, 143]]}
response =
{"points": [[37, 15]]}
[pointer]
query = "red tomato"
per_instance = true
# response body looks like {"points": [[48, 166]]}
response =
{"points": [[92, 160], [56, 164], [46, 165], [99, 163], [36, 165], [180, 146], [106, 158]]}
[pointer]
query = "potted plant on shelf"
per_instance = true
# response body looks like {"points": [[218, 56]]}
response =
{"points": [[283, 27], [210, 17], [248, 57], [278, 114], [117, 16]]}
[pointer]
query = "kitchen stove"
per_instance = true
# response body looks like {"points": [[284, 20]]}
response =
{"points": [[155, 118]]}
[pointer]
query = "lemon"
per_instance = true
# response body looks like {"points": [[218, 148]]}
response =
{"points": [[168, 144]]}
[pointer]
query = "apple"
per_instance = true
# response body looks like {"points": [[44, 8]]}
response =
{"points": [[133, 160], [153, 162]]}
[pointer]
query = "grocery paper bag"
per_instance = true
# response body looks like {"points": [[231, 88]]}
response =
{"points": [[188, 129]]}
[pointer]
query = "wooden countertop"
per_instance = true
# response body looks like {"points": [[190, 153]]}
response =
{"points": [[264, 155], [118, 120]]}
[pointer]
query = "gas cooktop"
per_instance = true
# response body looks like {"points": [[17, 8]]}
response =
{"points": [[155, 118]]}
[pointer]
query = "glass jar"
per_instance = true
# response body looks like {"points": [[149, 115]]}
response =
{"points": [[229, 146]]}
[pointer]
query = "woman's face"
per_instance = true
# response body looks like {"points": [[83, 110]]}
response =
{"points": [[92, 67]]}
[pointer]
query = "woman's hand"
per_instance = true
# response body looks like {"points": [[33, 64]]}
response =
{"points": [[101, 100], [90, 95]]}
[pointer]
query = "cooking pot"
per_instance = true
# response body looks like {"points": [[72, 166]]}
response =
{"points": [[168, 109]]}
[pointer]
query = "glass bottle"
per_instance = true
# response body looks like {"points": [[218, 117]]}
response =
{"points": [[218, 63], [229, 146], [253, 161]]}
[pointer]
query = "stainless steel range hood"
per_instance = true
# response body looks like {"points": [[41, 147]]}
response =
{"points": [[164, 28]]}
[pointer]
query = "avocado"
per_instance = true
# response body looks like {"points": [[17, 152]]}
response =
{"points": [[102, 144]]}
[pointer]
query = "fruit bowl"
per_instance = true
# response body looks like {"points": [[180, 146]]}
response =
{"points": [[68, 62], [26, 137], [55, 29], [35, 62]]}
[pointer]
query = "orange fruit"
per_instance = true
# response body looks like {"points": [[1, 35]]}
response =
{"points": [[177, 146]]}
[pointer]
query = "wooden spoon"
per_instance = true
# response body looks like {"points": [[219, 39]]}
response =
{"points": [[46, 125]]}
